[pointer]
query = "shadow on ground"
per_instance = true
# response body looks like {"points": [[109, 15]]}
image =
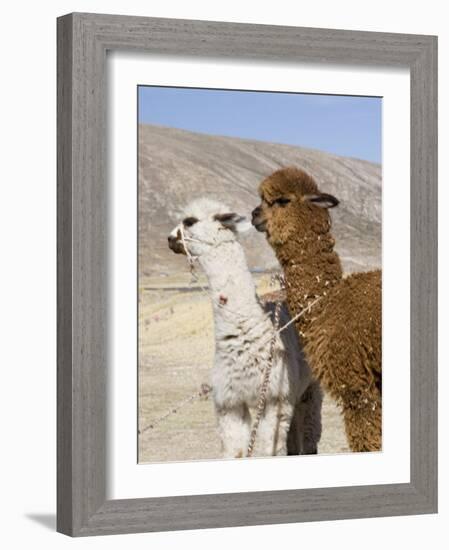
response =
{"points": [[46, 520]]}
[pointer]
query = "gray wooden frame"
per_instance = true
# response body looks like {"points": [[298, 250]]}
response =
{"points": [[83, 40]]}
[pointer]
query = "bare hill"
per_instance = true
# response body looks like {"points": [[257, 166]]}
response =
{"points": [[176, 166]]}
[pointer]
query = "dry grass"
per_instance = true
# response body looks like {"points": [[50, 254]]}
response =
{"points": [[175, 356]]}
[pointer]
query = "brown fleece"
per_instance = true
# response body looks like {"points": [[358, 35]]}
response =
{"points": [[342, 331]]}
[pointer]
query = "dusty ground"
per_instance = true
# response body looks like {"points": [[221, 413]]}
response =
{"points": [[175, 356]]}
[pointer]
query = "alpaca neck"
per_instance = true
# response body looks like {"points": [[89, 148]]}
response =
{"points": [[312, 268], [231, 285]]}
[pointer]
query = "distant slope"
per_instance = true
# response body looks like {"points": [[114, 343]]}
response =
{"points": [[176, 166]]}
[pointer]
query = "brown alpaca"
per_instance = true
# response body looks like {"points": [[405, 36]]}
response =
{"points": [[342, 330]]}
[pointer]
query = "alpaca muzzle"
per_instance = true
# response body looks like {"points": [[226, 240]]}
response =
{"points": [[257, 219], [175, 244]]}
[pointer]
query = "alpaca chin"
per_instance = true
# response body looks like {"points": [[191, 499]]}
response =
{"points": [[261, 227]]}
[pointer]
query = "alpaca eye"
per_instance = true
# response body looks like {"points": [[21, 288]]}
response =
{"points": [[188, 222], [282, 201]]}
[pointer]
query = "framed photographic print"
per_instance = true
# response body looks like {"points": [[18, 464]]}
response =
{"points": [[176, 321], [246, 274]]}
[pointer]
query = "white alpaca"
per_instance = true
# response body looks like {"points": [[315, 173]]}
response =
{"points": [[291, 421]]}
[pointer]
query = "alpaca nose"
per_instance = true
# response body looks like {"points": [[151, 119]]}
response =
{"points": [[175, 244], [172, 240], [255, 213]]}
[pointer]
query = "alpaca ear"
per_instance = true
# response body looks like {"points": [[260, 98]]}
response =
{"points": [[233, 221], [323, 200]]}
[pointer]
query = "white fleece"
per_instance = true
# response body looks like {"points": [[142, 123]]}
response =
{"points": [[243, 334]]}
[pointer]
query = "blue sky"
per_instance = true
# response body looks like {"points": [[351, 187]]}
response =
{"points": [[344, 125]]}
